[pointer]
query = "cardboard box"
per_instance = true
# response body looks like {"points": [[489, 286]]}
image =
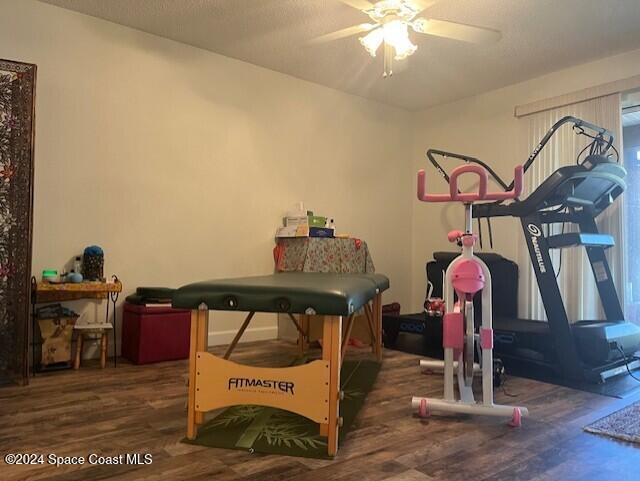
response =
{"points": [[293, 231], [320, 232], [317, 221], [290, 221]]}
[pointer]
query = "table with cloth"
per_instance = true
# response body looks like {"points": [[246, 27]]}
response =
{"points": [[333, 255]]}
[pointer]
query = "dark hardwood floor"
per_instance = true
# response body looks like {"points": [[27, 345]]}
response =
{"points": [[141, 409]]}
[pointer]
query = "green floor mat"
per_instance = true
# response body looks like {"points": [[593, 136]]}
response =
{"points": [[274, 431]]}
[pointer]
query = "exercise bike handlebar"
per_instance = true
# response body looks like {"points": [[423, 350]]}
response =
{"points": [[481, 194]]}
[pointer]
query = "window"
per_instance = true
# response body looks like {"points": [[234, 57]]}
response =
{"points": [[631, 198]]}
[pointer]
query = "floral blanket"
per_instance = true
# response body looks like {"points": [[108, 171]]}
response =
{"points": [[316, 254]]}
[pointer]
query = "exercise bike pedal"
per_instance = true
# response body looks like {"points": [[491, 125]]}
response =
{"points": [[516, 420]]}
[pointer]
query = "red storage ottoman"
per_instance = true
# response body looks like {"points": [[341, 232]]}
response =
{"points": [[153, 334]]}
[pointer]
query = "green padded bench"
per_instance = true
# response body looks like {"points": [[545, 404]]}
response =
{"points": [[311, 390]]}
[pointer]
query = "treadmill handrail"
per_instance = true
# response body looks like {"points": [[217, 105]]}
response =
{"points": [[583, 125], [578, 124]]}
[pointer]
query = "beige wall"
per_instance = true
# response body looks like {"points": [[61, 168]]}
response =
{"points": [[484, 126], [180, 163]]}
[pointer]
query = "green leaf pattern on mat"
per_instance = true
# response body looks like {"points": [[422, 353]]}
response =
{"points": [[287, 429], [271, 430], [283, 428], [353, 393], [236, 415]]}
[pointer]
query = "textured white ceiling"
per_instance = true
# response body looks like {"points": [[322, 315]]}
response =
{"points": [[539, 36]]}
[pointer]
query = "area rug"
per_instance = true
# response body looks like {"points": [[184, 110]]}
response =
{"points": [[274, 431], [623, 424]]}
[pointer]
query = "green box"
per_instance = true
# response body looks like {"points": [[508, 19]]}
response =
{"points": [[317, 221]]}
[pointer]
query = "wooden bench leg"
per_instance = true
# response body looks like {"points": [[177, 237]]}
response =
{"points": [[377, 316], [192, 429], [368, 311], [203, 345], [104, 340], [346, 337], [78, 359], [331, 352], [306, 326], [302, 341]]}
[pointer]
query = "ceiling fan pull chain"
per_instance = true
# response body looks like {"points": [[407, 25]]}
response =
{"points": [[388, 60]]}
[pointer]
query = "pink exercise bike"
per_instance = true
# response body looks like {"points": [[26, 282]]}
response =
{"points": [[465, 277]]}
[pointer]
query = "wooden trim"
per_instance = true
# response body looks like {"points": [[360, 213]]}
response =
{"points": [[238, 335], [583, 95], [192, 429], [302, 389]]}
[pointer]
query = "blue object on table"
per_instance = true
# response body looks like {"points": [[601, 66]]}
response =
{"points": [[93, 263], [94, 251], [74, 277], [320, 232]]}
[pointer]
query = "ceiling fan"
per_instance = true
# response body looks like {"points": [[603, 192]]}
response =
{"points": [[390, 28]]}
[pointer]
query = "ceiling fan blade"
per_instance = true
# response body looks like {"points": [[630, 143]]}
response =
{"points": [[421, 5], [345, 32], [457, 31], [358, 4]]}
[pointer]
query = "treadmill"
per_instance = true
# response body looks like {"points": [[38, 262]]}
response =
{"points": [[585, 350]]}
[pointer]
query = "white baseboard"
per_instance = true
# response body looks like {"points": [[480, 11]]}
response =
{"points": [[256, 334]]}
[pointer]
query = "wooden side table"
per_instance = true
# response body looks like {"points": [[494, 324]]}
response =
{"points": [[43, 292]]}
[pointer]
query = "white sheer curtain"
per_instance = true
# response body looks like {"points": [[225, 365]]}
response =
{"points": [[575, 279]]}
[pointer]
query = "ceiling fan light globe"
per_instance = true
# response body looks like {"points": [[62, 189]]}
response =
{"points": [[404, 51], [396, 34], [372, 41]]}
